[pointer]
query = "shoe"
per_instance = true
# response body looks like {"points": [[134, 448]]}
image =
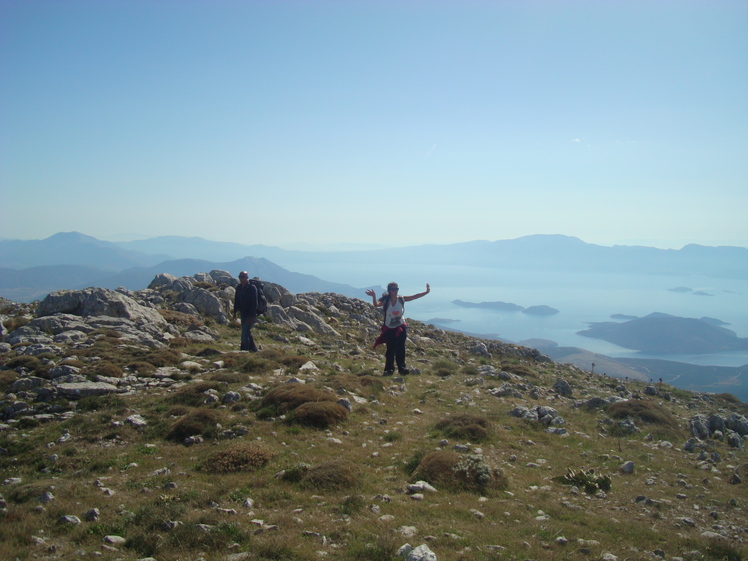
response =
{"points": [[403, 371], [388, 372]]}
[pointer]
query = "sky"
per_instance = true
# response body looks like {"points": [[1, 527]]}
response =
{"points": [[375, 122]]}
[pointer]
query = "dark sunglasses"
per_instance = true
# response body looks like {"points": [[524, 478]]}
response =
{"points": [[393, 289]]}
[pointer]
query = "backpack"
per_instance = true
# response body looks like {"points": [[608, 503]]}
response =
{"points": [[262, 301]]}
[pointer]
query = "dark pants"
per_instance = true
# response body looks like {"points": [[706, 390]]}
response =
{"points": [[395, 348], [247, 342]]}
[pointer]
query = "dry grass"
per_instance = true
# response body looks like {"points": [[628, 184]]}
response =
{"points": [[336, 495]]}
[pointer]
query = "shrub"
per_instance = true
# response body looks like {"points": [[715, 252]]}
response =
{"points": [[356, 384], [230, 377], [180, 318], [112, 403], [256, 365], [7, 377], [320, 414], [11, 324], [519, 370], [446, 468], [245, 457], [201, 421], [193, 394], [162, 357], [333, 475], [645, 411], [27, 362], [106, 368], [287, 397], [468, 427], [443, 367], [142, 368]]}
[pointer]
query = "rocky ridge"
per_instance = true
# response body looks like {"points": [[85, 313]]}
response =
{"points": [[55, 359]]}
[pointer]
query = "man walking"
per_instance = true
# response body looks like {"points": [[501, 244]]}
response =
{"points": [[245, 302]]}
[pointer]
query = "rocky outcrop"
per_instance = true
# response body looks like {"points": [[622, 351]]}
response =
{"points": [[98, 302]]}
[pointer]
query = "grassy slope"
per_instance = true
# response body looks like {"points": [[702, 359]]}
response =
{"points": [[143, 483]]}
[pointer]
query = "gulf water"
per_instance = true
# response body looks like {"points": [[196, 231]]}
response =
{"points": [[580, 298]]}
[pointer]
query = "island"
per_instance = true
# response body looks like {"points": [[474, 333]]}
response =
{"points": [[660, 333], [508, 307]]}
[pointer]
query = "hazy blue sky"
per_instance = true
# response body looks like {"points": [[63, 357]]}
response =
{"points": [[375, 122]]}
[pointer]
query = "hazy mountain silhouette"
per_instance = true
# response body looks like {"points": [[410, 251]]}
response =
{"points": [[71, 248], [139, 277], [537, 252], [665, 334]]}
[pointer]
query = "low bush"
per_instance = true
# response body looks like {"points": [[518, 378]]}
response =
{"points": [[519, 370], [645, 411], [244, 457], [142, 368], [466, 427], [332, 476], [356, 384], [105, 368], [27, 362], [283, 399], [193, 395], [163, 357], [319, 414], [111, 403], [180, 318], [443, 367], [448, 469], [7, 377], [200, 421]]}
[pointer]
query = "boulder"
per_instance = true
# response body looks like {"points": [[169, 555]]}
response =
{"points": [[86, 389], [222, 277], [562, 387], [162, 280], [699, 426], [311, 319], [98, 302], [737, 423], [206, 303]]}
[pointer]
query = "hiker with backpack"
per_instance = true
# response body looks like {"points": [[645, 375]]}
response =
{"points": [[394, 330], [249, 301]]}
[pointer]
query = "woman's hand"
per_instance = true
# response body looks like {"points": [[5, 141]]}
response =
{"points": [[370, 292]]}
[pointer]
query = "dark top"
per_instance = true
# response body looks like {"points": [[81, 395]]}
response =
{"points": [[245, 300]]}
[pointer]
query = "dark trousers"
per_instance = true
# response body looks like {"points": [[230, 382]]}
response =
{"points": [[247, 341], [395, 348]]}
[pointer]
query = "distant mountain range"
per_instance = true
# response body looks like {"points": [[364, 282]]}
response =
{"points": [[538, 252], [31, 268]]}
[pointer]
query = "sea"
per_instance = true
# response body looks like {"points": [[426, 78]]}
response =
{"points": [[581, 299]]}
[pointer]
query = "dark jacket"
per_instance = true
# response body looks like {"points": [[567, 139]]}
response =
{"points": [[245, 300]]}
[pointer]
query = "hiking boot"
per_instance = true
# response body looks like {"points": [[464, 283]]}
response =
{"points": [[403, 371], [388, 372]]}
